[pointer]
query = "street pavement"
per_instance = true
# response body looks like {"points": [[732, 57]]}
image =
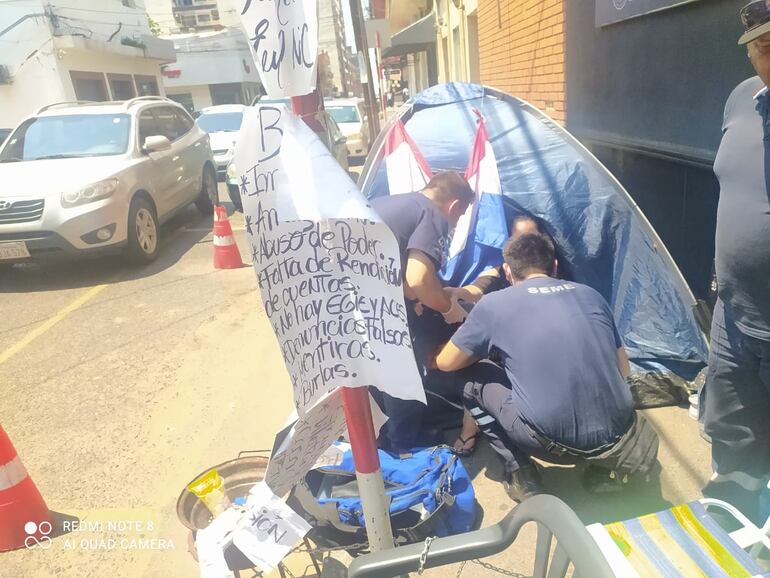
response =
{"points": [[121, 384]]}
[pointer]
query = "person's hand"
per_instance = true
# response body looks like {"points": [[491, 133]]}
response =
{"points": [[453, 292], [418, 308], [456, 313]]}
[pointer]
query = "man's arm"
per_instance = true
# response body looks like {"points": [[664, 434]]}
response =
{"points": [[468, 293], [423, 284], [452, 358], [623, 364], [476, 290]]}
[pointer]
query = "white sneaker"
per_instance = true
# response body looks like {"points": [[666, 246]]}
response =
{"points": [[694, 409]]}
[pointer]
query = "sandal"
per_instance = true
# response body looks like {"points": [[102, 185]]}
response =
{"points": [[465, 452]]}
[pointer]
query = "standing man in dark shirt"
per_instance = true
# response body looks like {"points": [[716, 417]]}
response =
{"points": [[737, 392], [420, 222], [561, 394]]}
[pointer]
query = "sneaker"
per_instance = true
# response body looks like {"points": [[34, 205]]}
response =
{"points": [[523, 483], [598, 480], [694, 411]]}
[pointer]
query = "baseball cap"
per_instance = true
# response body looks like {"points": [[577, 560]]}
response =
{"points": [[755, 17]]}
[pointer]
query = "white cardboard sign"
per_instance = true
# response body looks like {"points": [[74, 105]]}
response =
{"points": [[283, 38], [269, 529], [298, 447], [306, 443], [328, 269], [210, 543]]}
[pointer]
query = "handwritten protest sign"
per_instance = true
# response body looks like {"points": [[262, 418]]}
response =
{"points": [[283, 36], [302, 444], [328, 269], [297, 448], [269, 529]]}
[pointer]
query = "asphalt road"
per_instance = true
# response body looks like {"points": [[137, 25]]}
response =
{"points": [[120, 385]]}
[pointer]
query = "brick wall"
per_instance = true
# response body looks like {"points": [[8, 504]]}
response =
{"points": [[521, 51]]}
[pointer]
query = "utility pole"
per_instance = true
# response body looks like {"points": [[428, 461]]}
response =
{"points": [[359, 33]]}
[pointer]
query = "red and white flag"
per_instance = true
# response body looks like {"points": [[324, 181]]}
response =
{"points": [[407, 169], [484, 221]]}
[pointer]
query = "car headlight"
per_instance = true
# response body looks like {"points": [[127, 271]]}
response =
{"points": [[93, 192], [232, 172]]}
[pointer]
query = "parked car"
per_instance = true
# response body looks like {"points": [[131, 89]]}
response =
{"points": [[351, 118], [222, 123], [81, 178], [326, 129], [4, 132]]}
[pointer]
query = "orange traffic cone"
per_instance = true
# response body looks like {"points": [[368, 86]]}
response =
{"points": [[226, 255], [24, 518]]}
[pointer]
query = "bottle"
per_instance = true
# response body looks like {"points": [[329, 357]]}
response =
{"points": [[210, 489]]}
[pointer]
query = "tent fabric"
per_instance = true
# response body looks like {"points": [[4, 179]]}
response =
{"points": [[602, 236]]}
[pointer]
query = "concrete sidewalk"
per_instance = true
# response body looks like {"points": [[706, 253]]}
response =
{"points": [[685, 459]]}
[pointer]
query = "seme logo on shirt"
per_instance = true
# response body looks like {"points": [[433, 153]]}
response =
{"points": [[549, 290]]}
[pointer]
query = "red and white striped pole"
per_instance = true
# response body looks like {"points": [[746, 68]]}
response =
{"points": [[358, 414]]}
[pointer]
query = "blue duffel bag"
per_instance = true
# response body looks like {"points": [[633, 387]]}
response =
{"points": [[429, 490]]}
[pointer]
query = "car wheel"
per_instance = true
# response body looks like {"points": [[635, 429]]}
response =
{"points": [[143, 232], [235, 197], [208, 196]]}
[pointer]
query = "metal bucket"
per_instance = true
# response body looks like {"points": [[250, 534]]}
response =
{"points": [[238, 475]]}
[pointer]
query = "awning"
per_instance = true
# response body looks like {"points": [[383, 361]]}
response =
{"points": [[417, 37]]}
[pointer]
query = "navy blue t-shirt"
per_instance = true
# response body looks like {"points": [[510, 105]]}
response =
{"points": [[743, 217], [558, 343], [417, 224]]}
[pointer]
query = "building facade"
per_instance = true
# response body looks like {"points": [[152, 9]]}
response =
{"points": [[646, 94], [66, 52], [212, 68], [521, 46], [413, 40], [185, 16], [337, 68], [643, 89], [457, 39]]}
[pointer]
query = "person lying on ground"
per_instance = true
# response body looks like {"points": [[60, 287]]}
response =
{"points": [[561, 395], [421, 222]]}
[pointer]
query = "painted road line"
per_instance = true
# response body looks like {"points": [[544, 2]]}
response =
{"points": [[41, 329]]}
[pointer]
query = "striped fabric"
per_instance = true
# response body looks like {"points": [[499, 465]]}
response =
{"points": [[681, 542]]}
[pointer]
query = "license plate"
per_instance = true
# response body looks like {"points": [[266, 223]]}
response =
{"points": [[13, 251]]}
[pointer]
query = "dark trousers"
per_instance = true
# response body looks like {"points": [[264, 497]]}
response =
{"points": [[487, 396], [406, 426], [737, 414]]}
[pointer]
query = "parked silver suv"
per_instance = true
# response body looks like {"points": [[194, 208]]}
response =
{"points": [[100, 177]]}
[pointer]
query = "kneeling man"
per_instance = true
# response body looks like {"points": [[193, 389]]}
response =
{"points": [[561, 395]]}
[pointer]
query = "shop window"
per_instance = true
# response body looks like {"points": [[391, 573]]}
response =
{"points": [[147, 85], [89, 86], [121, 86], [204, 18]]}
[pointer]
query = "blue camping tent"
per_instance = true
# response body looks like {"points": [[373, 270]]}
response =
{"points": [[601, 233]]}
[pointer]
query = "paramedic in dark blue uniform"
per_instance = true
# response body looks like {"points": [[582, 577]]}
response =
{"points": [[562, 387], [421, 222], [737, 391]]}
